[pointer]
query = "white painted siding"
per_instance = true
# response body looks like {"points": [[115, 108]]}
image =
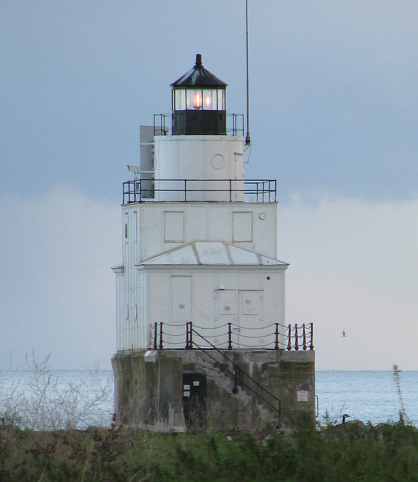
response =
{"points": [[144, 296], [229, 222], [218, 296], [200, 157]]}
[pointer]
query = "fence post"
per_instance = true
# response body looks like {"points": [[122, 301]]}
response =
{"points": [[187, 335], [155, 335], [229, 336], [191, 335], [161, 336], [289, 337], [296, 337], [276, 337], [304, 337], [311, 345]]}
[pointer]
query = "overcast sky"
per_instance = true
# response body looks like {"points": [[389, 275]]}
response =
{"points": [[335, 113]]}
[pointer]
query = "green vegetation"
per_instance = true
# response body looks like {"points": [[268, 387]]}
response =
{"points": [[345, 453]]}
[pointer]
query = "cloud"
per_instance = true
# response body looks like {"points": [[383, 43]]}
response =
{"points": [[56, 285], [354, 266], [333, 88]]}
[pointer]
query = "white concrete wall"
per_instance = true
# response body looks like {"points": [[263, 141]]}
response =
{"points": [[199, 157], [201, 222], [207, 284], [139, 296]]}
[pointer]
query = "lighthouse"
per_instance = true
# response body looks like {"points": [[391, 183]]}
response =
{"points": [[202, 340]]}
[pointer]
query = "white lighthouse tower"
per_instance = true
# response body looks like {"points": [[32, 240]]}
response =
{"points": [[202, 339]]}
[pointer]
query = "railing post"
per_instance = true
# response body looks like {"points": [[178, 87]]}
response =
{"points": [[190, 335], [276, 337], [230, 190], [155, 335], [140, 190], [296, 337], [229, 336], [161, 336], [187, 335], [289, 337], [185, 190], [304, 337], [311, 345]]}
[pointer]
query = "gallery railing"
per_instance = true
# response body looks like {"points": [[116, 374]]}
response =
{"points": [[230, 336], [187, 190], [234, 125]]}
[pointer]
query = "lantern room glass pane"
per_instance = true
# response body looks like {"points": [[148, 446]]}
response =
{"points": [[221, 99], [180, 99], [209, 99], [194, 99]]}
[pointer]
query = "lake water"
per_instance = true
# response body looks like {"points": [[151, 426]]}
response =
{"points": [[88, 396]]}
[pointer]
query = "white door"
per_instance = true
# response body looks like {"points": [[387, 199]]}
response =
{"points": [[174, 333], [181, 299], [251, 319], [226, 312], [244, 309]]}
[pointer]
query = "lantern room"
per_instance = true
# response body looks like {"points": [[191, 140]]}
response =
{"points": [[199, 102]]}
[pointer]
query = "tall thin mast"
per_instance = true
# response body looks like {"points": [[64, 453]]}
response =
{"points": [[247, 138]]}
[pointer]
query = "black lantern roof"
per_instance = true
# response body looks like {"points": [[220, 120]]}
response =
{"points": [[198, 76]]}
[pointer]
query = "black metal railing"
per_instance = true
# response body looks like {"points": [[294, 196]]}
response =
{"points": [[230, 336], [185, 190], [161, 125], [234, 125], [240, 377]]}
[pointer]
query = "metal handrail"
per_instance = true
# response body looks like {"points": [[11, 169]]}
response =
{"points": [[299, 337], [235, 125], [138, 190], [237, 372]]}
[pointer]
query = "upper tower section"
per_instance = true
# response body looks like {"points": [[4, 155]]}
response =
{"points": [[198, 102]]}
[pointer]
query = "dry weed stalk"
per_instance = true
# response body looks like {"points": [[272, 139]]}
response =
{"points": [[45, 402]]}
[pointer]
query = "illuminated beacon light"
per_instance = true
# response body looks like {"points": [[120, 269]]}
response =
{"points": [[207, 102], [197, 101]]}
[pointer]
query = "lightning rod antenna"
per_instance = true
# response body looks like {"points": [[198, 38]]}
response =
{"points": [[247, 137]]}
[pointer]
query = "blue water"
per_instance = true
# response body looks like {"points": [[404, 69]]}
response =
{"points": [[367, 395], [87, 396]]}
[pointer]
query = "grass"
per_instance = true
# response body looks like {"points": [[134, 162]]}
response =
{"points": [[354, 452]]}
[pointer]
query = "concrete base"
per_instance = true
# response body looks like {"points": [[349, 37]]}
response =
{"points": [[189, 390]]}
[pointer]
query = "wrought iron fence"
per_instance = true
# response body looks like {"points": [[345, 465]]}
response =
{"points": [[187, 190], [230, 336]]}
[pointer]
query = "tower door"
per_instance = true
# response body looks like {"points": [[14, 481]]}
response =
{"points": [[181, 299], [251, 315], [251, 307], [227, 311], [243, 309], [194, 401]]}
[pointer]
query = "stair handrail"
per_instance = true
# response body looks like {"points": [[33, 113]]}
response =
{"points": [[236, 367]]}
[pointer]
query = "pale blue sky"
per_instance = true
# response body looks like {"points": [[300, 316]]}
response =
{"points": [[335, 113], [334, 89]]}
